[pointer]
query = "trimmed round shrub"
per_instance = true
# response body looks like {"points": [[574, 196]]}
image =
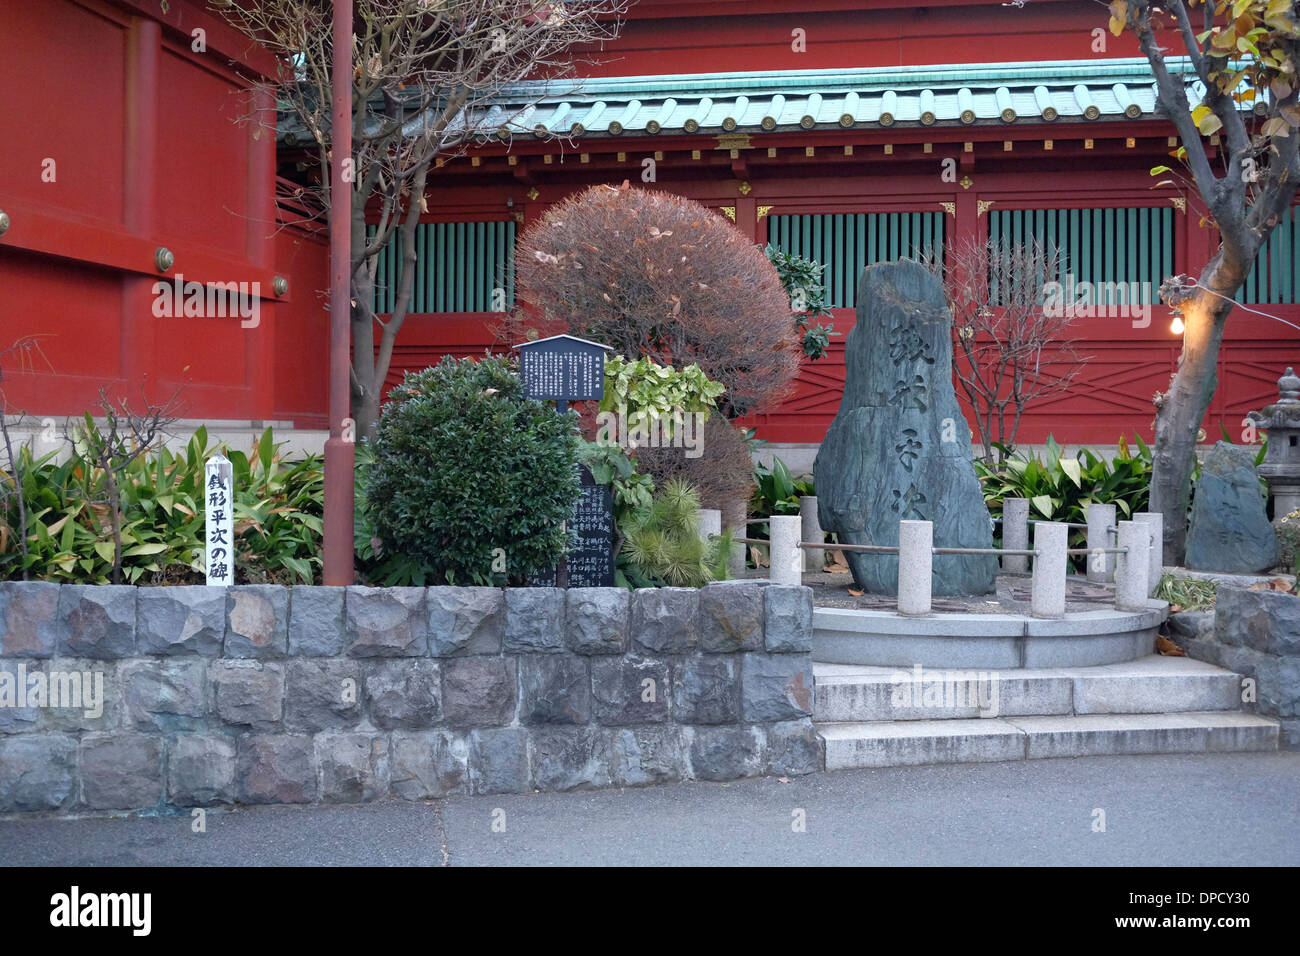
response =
{"points": [[658, 275], [465, 465]]}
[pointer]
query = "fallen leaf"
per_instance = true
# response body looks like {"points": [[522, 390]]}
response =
{"points": [[1168, 648], [856, 593], [782, 779]]}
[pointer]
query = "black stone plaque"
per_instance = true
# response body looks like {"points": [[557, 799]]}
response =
{"points": [[564, 368], [590, 560]]}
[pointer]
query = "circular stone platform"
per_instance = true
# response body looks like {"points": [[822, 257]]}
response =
{"points": [[985, 640]]}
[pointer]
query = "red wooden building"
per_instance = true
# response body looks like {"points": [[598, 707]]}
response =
{"points": [[849, 132]]}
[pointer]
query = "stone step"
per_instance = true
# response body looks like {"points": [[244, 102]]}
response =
{"points": [[1150, 685], [895, 743]]}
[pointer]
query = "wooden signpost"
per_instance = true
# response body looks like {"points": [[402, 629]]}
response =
{"points": [[218, 531], [568, 369]]}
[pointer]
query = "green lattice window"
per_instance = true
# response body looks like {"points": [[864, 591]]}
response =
{"points": [[1275, 279], [460, 267], [1106, 248], [846, 243]]}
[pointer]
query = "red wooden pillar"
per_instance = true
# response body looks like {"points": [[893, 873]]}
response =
{"points": [[140, 148]]}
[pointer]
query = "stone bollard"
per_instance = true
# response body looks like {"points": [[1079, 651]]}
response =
{"points": [[786, 557], [733, 516], [710, 523], [1101, 519], [1132, 567], [1155, 523], [1015, 533], [1051, 538], [915, 562], [812, 532]]}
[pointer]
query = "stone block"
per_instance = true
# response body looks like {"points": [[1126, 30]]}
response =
{"points": [[468, 620], [555, 689], [386, 622], [498, 761], [706, 690], [322, 694], [181, 620], [30, 623], [257, 623], [121, 772], [166, 695], [403, 695], [794, 748], [630, 690], [38, 772], [569, 758], [99, 620], [534, 620], [354, 768], [428, 764], [200, 770], [88, 693], [647, 755], [276, 768], [731, 618], [665, 620], [596, 620], [727, 753], [776, 687], [787, 620], [249, 694], [316, 626], [478, 691]]}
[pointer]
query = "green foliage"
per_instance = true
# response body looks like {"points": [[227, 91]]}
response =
{"points": [[465, 465], [804, 285], [610, 465], [776, 491], [1188, 594], [643, 387], [662, 543], [1060, 488], [277, 516]]}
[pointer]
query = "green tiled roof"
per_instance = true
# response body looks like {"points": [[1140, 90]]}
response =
{"points": [[995, 94], [870, 97]]}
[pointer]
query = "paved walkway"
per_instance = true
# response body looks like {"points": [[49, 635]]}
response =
{"points": [[1203, 809]]}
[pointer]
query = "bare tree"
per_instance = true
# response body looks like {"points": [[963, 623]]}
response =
{"points": [[1009, 351], [1246, 57], [124, 436], [430, 79], [26, 348]]}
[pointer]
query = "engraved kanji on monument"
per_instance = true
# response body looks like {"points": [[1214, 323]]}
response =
{"points": [[885, 459], [569, 369]]}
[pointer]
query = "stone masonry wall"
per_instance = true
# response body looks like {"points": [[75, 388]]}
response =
{"points": [[1257, 634], [262, 694]]}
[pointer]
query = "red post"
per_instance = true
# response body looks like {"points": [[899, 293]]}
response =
{"points": [[340, 456]]}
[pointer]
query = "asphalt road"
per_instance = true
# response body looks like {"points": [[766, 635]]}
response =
{"points": [[1202, 810]]}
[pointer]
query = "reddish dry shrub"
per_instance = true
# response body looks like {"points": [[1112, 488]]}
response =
{"points": [[654, 274], [722, 474]]}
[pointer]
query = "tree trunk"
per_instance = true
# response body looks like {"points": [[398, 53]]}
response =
{"points": [[1179, 417]]}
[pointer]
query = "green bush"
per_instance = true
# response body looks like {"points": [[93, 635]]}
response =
{"points": [[662, 544], [465, 465]]}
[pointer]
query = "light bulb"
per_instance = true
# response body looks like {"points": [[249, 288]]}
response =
{"points": [[1177, 325]]}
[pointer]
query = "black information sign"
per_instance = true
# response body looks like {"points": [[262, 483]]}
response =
{"points": [[564, 368], [591, 526]]}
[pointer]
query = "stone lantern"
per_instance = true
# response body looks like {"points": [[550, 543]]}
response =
{"points": [[1281, 465]]}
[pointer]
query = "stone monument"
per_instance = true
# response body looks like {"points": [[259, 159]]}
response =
{"points": [[1229, 528], [899, 448], [1281, 466]]}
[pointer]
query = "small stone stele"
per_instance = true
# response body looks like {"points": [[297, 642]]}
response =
{"points": [[1230, 531], [899, 448]]}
